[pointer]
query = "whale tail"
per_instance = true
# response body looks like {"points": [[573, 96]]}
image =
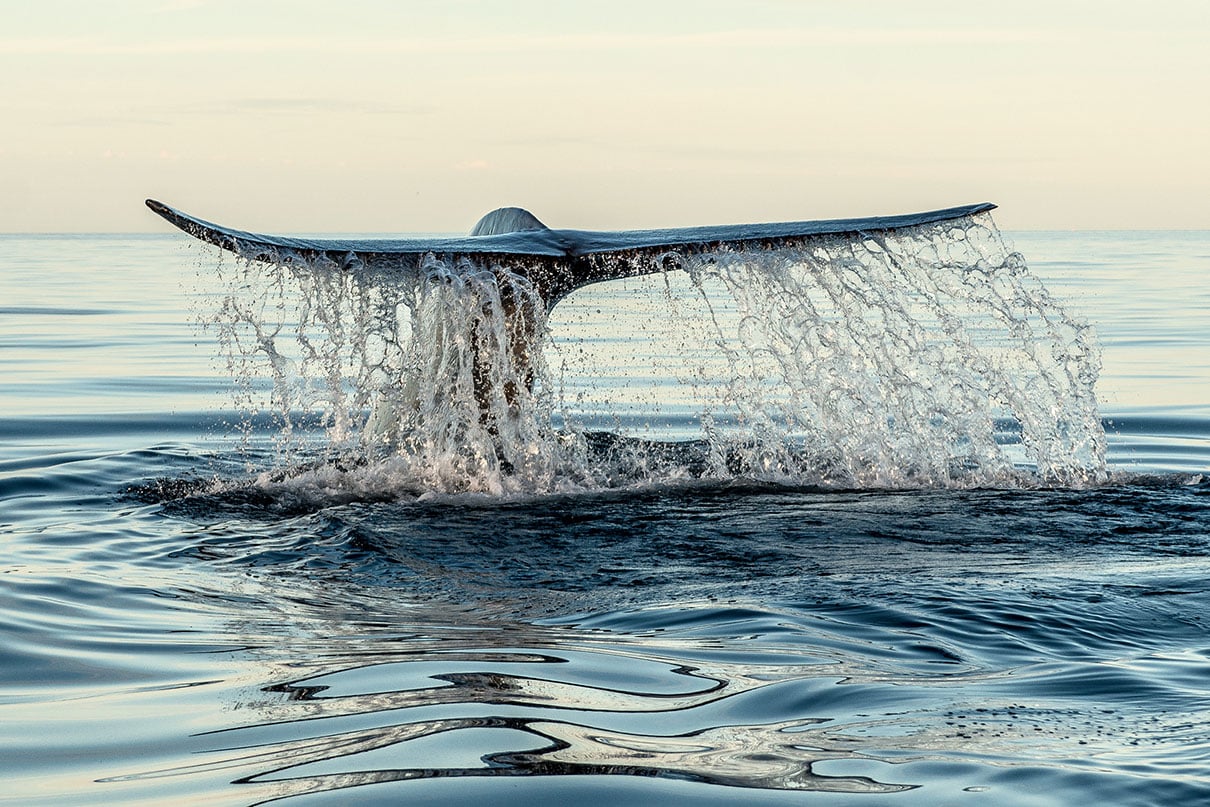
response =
{"points": [[556, 262]]}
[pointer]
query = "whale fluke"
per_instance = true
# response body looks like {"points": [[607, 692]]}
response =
{"points": [[557, 262]]}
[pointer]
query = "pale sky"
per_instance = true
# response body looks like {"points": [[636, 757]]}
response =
{"points": [[412, 116]]}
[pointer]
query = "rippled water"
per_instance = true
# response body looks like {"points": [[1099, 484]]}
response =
{"points": [[164, 639]]}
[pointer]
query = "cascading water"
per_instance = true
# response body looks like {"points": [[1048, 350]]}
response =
{"points": [[902, 360], [920, 357]]}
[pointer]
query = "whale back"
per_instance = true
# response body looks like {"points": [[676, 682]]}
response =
{"points": [[507, 220]]}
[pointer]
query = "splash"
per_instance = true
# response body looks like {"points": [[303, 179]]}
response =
{"points": [[902, 360], [926, 356]]}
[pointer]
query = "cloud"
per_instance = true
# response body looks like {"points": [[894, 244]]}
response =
{"points": [[284, 106], [172, 6], [530, 43]]}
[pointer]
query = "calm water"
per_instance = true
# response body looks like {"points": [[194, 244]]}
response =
{"points": [[165, 641]]}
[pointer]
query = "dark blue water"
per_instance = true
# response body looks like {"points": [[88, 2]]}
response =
{"points": [[172, 631]]}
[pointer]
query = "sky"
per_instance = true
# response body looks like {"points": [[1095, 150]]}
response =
{"points": [[411, 116]]}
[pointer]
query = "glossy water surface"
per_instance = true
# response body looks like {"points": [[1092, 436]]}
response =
{"points": [[167, 640]]}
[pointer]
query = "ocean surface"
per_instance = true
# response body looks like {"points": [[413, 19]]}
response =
{"points": [[184, 622]]}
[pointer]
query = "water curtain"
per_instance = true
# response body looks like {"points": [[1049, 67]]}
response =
{"points": [[923, 356]]}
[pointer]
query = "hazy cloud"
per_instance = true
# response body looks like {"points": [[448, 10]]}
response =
{"points": [[529, 43], [314, 106]]}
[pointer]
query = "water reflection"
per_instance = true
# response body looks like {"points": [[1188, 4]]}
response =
{"points": [[537, 711]]}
